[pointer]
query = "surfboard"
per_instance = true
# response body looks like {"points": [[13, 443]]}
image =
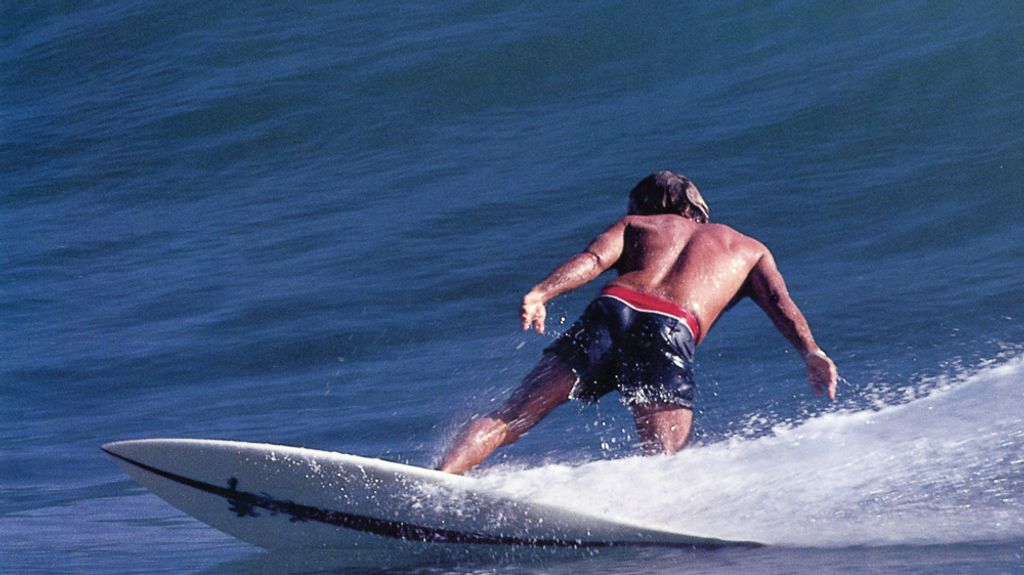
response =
{"points": [[281, 497]]}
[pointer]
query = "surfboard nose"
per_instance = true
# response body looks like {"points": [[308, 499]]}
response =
{"points": [[119, 449], [112, 448], [135, 450]]}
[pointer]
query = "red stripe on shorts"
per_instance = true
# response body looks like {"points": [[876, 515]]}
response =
{"points": [[647, 302]]}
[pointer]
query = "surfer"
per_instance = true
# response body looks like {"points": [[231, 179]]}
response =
{"points": [[677, 274]]}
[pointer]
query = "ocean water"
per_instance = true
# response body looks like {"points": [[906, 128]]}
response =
{"points": [[311, 224]]}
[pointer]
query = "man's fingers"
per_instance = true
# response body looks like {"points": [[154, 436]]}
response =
{"points": [[833, 380], [533, 316], [822, 374], [824, 389]]}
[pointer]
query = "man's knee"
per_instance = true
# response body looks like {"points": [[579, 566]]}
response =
{"points": [[543, 389], [673, 442], [663, 428]]}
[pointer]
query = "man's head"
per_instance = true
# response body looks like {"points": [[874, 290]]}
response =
{"points": [[667, 192]]}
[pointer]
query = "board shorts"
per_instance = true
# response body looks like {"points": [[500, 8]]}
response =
{"points": [[633, 342]]}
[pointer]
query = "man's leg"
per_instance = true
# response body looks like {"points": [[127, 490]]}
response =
{"points": [[663, 427], [546, 387]]}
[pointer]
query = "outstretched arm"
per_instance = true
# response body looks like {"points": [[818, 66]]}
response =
{"points": [[599, 256], [768, 289]]}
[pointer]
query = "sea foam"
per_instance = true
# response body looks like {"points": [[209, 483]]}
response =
{"points": [[945, 467]]}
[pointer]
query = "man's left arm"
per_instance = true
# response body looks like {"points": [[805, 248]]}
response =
{"points": [[768, 289], [584, 267]]}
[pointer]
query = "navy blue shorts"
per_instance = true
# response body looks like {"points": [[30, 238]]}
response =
{"points": [[617, 344]]}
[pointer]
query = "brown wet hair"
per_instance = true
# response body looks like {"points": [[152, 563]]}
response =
{"points": [[667, 192]]}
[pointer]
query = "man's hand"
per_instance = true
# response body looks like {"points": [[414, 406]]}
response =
{"points": [[533, 312], [821, 372]]}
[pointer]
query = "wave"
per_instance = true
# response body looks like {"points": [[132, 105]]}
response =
{"points": [[945, 467]]}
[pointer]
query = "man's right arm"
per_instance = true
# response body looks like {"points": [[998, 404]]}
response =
{"points": [[768, 289], [599, 256]]}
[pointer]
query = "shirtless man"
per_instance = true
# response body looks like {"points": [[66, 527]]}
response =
{"points": [[677, 274]]}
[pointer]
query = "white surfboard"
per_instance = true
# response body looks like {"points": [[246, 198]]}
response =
{"points": [[290, 497]]}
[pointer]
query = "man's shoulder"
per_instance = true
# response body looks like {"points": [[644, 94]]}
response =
{"points": [[722, 230], [734, 238]]}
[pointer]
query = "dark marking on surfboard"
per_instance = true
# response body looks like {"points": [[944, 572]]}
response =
{"points": [[239, 505], [245, 504]]}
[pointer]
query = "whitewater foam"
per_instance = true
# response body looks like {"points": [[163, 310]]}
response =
{"points": [[942, 468]]}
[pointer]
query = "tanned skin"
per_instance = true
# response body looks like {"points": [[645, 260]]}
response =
{"points": [[705, 268]]}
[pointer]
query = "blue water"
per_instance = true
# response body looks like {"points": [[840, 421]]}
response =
{"points": [[311, 224]]}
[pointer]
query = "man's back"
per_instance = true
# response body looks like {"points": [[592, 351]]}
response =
{"points": [[702, 267]]}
